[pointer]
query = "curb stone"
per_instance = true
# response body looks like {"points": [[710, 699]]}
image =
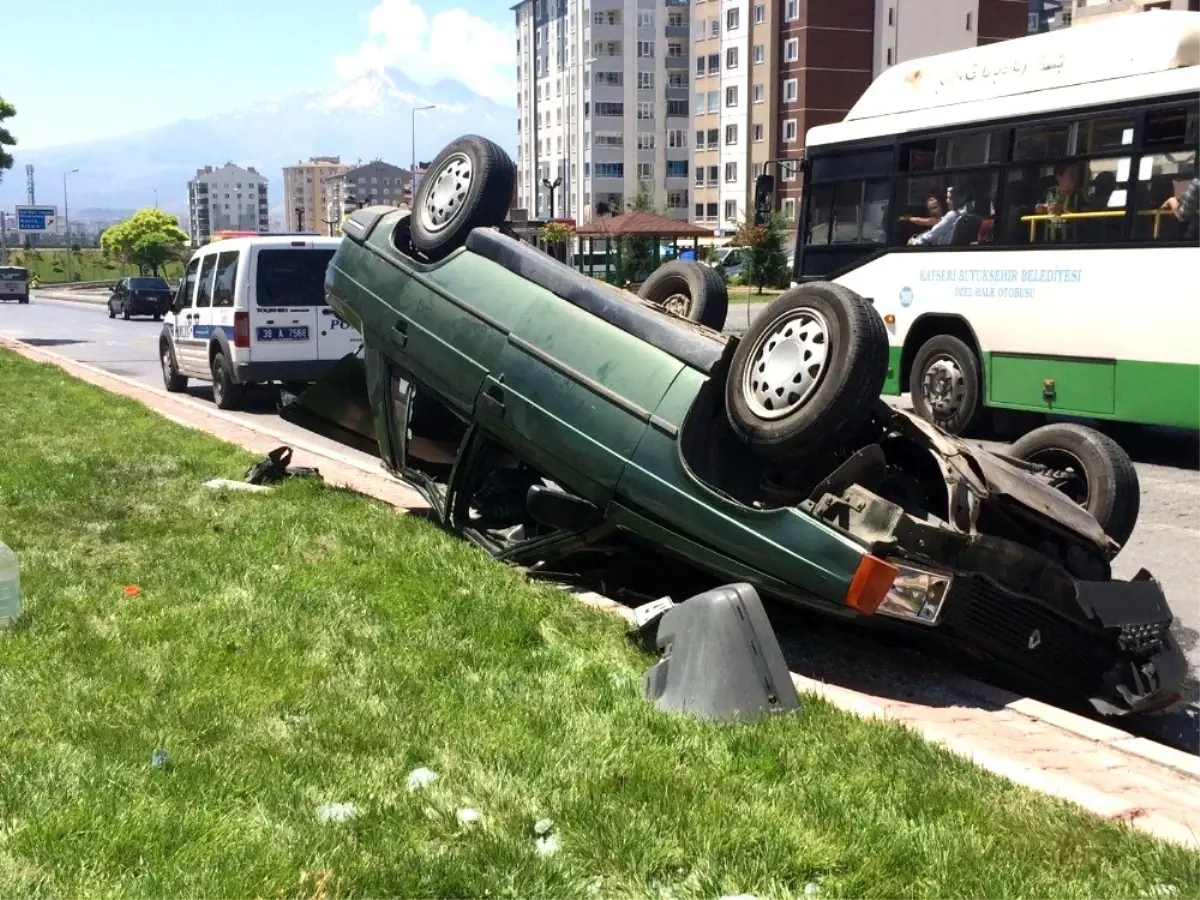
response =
{"points": [[1109, 772]]}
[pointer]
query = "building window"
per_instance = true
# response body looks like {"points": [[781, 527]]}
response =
{"points": [[609, 139], [756, 170], [789, 131], [791, 50], [714, 101], [609, 170], [699, 140], [677, 109], [699, 103], [889, 56], [712, 138], [674, 49], [788, 171], [645, 81], [714, 63], [731, 135], [677, 78], [791, 10], [699, 210], [714, 27], [760, 54], [711, 210], [645, 170], [677, 138], [699, 176], [699, 66], [760, 13], [713, 175], [789, 208], [611, 79], [790, 90], [891, 16], [730, 210], [676, 199], [645, 110], [645, 18], [677, 168], [674, 20], [733, 19], [731, 58], [645, 49], [731, 95], [757, 92], [730, 172], [646, 140], [757, 131]]}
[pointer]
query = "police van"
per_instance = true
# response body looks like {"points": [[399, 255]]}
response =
{"points": [[251, 310]]}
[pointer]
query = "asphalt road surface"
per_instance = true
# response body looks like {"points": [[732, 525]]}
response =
{"points": [[1166, 540]]}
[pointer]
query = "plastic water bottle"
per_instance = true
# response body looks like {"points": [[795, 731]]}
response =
{"points": [[10, 586]]}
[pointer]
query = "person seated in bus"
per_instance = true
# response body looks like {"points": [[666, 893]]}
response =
{"points": [[1185, 208], [1067, 195], [914, 224], [958, 201]]}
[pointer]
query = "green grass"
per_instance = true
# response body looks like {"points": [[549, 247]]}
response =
{"points": [[309, 646], [739, 293], [50, 266]]}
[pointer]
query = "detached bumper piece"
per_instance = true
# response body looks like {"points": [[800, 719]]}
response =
{"points": [[1119, 652]]}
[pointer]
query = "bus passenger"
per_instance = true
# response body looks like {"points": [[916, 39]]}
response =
{"points": [[958, 200], [1185, 209]]}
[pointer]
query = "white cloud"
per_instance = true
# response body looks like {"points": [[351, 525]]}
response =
{"points": [[453, 44]]}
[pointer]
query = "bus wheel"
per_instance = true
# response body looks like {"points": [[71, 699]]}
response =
{"points": [[945, 384], [1090, 468], [808, 372]]}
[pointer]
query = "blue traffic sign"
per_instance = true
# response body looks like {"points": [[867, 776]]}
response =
{"points": [[36, 218]]}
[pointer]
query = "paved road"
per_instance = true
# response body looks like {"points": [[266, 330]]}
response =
{"points": [[1166, 540], [83, 332]]}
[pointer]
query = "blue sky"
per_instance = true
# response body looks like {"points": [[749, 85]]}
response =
{"points": [[77, 75]]}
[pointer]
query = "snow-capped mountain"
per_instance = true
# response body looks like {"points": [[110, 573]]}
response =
{"points": [[363, 119]]}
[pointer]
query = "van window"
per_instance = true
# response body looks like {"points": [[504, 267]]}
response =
{"points": [[291, 277], [207, 270], [187, 285], [13, 273], [225, 280]]}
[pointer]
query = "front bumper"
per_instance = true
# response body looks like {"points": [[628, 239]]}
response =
{"points": [[1116, 650]]}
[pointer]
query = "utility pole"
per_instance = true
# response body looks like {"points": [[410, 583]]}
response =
{"points": [[67, 225], [552, 186], [299, 211]]}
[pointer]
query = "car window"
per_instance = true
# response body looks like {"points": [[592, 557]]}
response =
{"points": [[147, 284], [207, 270], [226, 278], [291, 277], [187, 285]]}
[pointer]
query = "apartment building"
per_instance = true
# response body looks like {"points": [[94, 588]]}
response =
{"points": [[1043, 14], [1083, 12], [369, 184], [309, 192], [225, 198], [603, 106]]}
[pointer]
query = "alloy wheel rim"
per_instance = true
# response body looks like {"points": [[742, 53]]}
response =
{"points": [[448, 193], [787, 363]]}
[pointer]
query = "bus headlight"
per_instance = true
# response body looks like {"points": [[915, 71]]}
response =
{"points": [[917, 595]]}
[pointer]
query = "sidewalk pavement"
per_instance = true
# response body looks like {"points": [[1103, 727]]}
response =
{"points": [[1113, 774]]}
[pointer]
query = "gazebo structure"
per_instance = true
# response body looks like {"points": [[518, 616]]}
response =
{"points": [[637, 224]]}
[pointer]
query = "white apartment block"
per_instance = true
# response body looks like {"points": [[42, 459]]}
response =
{"points": [[311, 192], [603, 106], [226, 198], [1083, 12]]}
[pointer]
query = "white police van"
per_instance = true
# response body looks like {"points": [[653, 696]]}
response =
{"points": [[251, 310]]}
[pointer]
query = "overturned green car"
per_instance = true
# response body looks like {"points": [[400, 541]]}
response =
{"points": [[546, 415]]}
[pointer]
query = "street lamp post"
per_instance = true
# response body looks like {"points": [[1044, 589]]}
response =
{"points": [[299, 211], [552, 186], [67, 224], [413, 173]]}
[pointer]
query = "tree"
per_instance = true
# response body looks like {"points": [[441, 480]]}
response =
{"points": [[555, 237], [766, 257], [635, 255], [7, 111], [148, 239]]}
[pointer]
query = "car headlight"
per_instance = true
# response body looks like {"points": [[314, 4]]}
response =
{"points": [[916, 595]]}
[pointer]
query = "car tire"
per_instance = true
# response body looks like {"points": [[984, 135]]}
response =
{"points": [[112, 313], [807, 405], [1090, 468], [172, 380], [158, 317], [946, 386], [227, 393], [125, 311], [689, 290], [468, 185]]}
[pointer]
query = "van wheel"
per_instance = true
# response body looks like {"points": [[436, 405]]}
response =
{"points": [[945, 384], [808, 372], [690, 290], [469, 185], [172, 380], [227, 393]]}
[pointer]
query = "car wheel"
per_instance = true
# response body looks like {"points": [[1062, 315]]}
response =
{"points": [[689, 290], [468, 185], [172, 380], [112, 313], [125, 311], [158, 317], [227, 394], [1090, 468], [808, 373], [945, 384]]}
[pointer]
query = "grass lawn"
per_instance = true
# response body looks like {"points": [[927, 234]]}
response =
{"points": [[747, 294], [307, 647], [50, 266]]}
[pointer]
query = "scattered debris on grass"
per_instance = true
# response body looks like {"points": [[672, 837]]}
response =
{"points": [[160, 759], [218, 483], [419, 778], [336, 812], [547, 843], [468, 816], [132, 590]]}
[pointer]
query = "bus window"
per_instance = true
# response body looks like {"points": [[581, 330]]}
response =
{"points": [[1052, 141], [1173, 125], [859, 212], [1077, 202], [967, 201], [1161, 176], [818, 214]]}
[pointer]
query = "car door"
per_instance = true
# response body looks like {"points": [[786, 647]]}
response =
{"points": [[288, 287], [224, 284], [181, 319], [199, 319], [114, 301]]}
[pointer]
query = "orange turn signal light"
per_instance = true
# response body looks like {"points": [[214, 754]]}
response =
{"points": [[890, 319], [870, 585]]}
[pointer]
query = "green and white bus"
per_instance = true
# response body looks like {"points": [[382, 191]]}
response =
{"points": [[1065, 281]]}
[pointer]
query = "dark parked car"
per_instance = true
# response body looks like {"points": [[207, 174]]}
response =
{"points": [[547, 416], [140, 295]]}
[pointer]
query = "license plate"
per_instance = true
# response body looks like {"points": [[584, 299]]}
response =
{"points": [[282, 333]]}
